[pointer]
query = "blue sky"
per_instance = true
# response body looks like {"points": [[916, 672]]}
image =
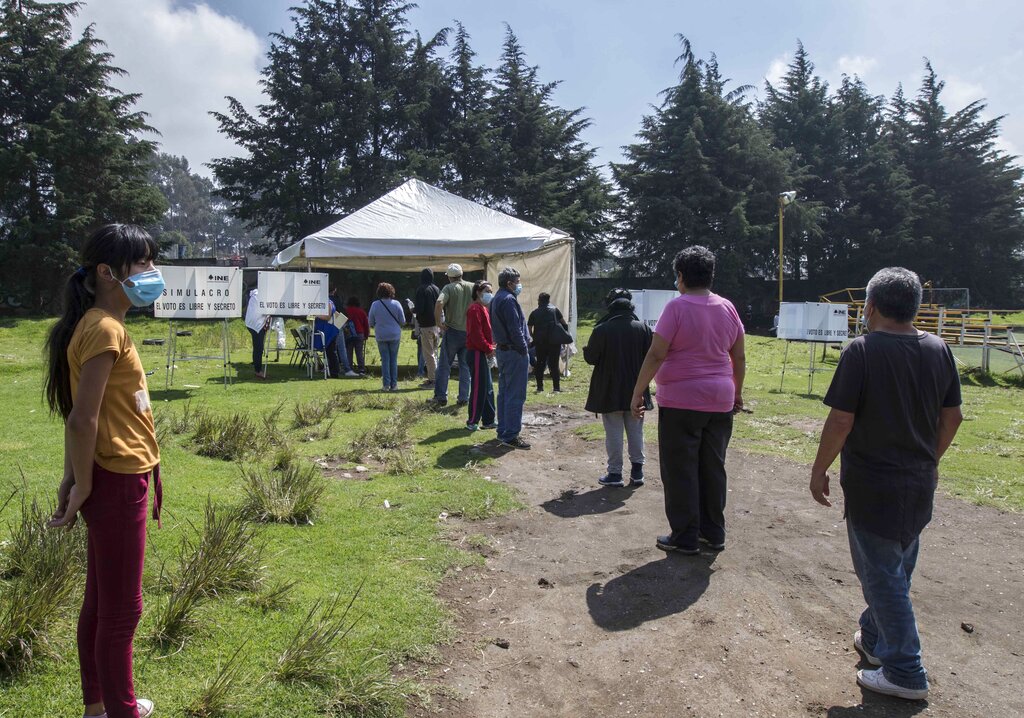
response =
{"points": [[612, 57]]}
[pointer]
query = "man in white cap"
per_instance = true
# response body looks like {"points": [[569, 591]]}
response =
{"points": [[450, 314]]}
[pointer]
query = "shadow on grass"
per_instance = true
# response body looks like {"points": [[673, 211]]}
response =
{"points": [[655, 590], [170, 394], [603, 500], [446, 435]]}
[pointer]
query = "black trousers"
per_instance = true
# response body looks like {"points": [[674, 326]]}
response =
{"points": [[258, 338], [333, 366], [692, 448], [547, 356]]}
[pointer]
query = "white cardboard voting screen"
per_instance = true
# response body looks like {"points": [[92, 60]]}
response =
{"points": [[293, 294], [813, 322], [200, 293], [650, 303]]}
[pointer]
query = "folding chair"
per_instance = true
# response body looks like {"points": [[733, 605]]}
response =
{"points": [[300, 351]]}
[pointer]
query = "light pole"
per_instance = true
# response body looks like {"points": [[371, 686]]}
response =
{"points": [[785, 198]]}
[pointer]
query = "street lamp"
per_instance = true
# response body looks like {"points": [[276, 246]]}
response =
{"points": [[785, 198]]}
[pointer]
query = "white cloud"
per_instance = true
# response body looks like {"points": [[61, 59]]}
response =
{"points": [[183, 60], [777, 70], [959, 93], [858, 65]]}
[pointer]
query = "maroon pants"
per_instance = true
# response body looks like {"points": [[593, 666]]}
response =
{"points": [[115, 513]]}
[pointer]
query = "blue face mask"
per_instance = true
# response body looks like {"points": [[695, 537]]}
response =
{"points": [[487, 297], [148, 286], [519, 289]]}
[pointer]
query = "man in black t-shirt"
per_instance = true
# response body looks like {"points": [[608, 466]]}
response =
{"points": [[895, 408]]}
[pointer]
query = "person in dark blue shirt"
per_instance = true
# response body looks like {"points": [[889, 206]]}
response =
{"points": [[508, 324]]}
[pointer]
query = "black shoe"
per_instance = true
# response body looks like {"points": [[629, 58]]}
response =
{"points": [[434, 401], [665, 543], [462, 402], [515, 442], [614, 480], [488, 426], [713, 545], [636, 475]]}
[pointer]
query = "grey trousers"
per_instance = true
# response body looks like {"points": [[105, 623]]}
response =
{"points": [[614, 424]]}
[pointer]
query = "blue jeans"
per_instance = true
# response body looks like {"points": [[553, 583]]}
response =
{"points": [[389, 362], [888, 629], [453, 344], [343, 353], [513, 375]]}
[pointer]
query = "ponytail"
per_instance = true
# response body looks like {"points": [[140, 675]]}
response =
{"points": [[79, 296]]}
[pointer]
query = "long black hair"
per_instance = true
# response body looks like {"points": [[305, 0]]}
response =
{"points": [[120, 246]]}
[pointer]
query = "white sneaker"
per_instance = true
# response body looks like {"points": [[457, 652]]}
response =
{"points": [[876, 681], [145, 707], [858, 643], [352, 374]]}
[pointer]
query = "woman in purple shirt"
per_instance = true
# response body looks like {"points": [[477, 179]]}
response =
{"points": [[697, 360]]}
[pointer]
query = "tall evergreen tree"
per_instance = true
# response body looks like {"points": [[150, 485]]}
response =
{"points": [[871, 221], [544, 171], [471, 139], [702, 172], [71, 156], [968, 199], [352, 108], [798, 116]]}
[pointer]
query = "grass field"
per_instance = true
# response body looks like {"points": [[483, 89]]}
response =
{"points": [[394, 553]]}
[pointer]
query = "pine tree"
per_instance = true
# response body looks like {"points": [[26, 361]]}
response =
{"points": [[968, 225], [543, 171], [354, 106], [798, 114], [471, 139], [71, 156], [702, 172]]}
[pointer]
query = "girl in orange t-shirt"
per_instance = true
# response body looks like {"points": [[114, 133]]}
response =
{"points": [[97, 384]]}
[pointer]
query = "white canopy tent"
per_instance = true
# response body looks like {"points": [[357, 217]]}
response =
{"points": [[418, 225]]}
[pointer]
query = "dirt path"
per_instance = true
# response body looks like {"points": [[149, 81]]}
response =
{"points": [[598, 622]]}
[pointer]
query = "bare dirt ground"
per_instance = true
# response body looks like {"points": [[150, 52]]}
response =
{"points": [[576, 613]]}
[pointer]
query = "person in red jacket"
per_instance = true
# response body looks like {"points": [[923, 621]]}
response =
{"points": [[357, 344], [480, 348]]}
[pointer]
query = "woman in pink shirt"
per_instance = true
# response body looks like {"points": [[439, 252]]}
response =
{"points": [[697, 360]]}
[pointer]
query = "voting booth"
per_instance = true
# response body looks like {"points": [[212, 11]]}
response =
{"points": [[298, 294], [194, 294], [650, 303], [812, 323]]}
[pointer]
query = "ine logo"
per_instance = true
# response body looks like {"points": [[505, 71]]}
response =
{"points": [[837, 312], [219, 278], [311, 282]]}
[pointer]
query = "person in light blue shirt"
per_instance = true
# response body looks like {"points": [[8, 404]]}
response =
{"points": [[512, 339], [387, 317]]}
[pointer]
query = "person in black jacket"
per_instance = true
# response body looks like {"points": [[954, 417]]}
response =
{"points": [[616, 350], [546, 344], [430, 334]]}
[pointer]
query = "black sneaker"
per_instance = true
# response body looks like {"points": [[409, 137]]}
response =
{"points": [[636, 475], [614, 480], [713, 545], [434, 401], [488, 426], [665, 543], [462, 402], [515, 442]]}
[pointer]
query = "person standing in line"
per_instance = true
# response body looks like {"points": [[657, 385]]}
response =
{"points": [[697, 353], [424, 302], [339, 319], [895, 409], [479, 350], [616, 350], [357, 335], [512, 339], [97, 384], [450, 315], [325, 339], [257, 322], [542, 325], [387, 319]]}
